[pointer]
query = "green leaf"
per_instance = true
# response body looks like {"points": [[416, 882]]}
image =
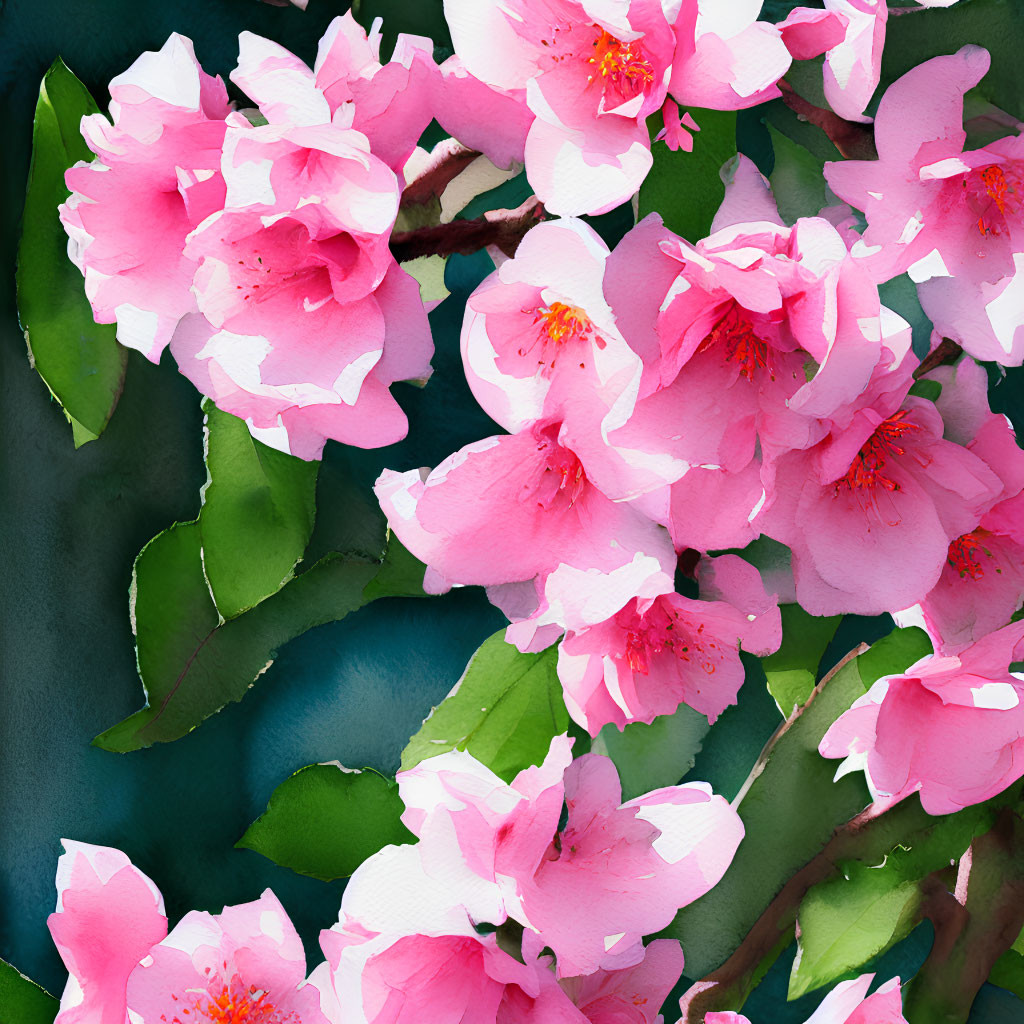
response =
{"points": [[930, 389], [425, 18], [78, 359], [325, 820], [400, 574], [793, 669], [797, 179], [191, 662], [789, 807], [651, 756], [257, 515], [900, 295], [848, 920], [504, 710], [780, 117], [687, 188], [998, 25], [23, 1001], [1008, 972]]}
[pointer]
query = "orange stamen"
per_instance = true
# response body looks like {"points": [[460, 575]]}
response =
{"points": [[865, 472], [623, 63]]}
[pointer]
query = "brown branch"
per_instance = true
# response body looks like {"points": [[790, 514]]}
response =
{"points": [[968, 941], [855, 141], [946, 351], [503, 228], [447, 161]]}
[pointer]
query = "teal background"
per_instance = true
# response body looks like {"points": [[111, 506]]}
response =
{"points": [[71, 524]]}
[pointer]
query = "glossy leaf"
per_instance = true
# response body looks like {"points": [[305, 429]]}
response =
{"points": [[80, 360], [998, 25], [192, 663], [789, 806], [651, 756], [325, 820], [848, 920], [796, 178], [793, 669], [257, 515], [687, 188], [22, 1001], [504, 710]]}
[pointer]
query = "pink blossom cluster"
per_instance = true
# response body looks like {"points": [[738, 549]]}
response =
{"points": [[255, 243], [670, 399], [501, 912]]}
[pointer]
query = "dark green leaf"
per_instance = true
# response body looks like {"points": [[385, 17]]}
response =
{"points": [[22, 1001], [789, 806], [400, 574], [797, 180], [425, 18], [777, 115], [998, 25], [1008, 972], [80, 360], [900, 295], [257, 514], [793, 669], [326, 820], [930, 389], [504, 710], [848, 920], [191, 663], [687, 188], [651, 756]]}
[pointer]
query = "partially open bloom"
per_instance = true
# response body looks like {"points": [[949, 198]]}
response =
{"points": [[628, 658], [982, 581], [244, 963], [512, 508], [156, 176], [539, 339], [950, 217], [847, 1003], [589, 890], [304, 318], [871, 510], [901, 732]]}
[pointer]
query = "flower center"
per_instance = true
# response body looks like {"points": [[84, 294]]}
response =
{"points": [[736, 339], [622, 64], [992, 195], [231, 1003], [659, 629], [559, 327], [865, 472], [963, 555], [562, 480]]}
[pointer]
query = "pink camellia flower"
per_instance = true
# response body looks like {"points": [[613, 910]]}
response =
{"points": [[851, 34], [111, 933], [847, 1003], [156, 176], [539, 339], [952, 218], [389, 103], [982, 581], [304, 318], [402, 978], [725, 58], [870, 511], [628, 658], [591, 72], [408, 978], [775, 327], [589, 891], [902, 730], [511, 508], [632, 995]]}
